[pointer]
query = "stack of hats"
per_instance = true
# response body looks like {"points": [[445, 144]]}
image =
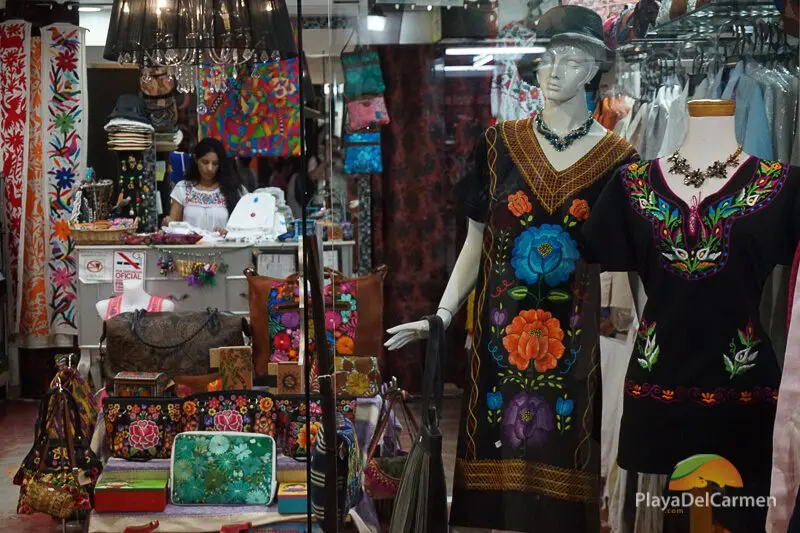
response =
{"points": [[168, 142], [128, 128]]}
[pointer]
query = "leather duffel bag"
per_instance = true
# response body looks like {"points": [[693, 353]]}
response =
{"points": [[175, 343]]}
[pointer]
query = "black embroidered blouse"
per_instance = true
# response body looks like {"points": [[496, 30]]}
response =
{"points": [[703, 377]]}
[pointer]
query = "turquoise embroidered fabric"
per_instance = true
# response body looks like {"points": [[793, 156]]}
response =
{"points": [[223, 468]]}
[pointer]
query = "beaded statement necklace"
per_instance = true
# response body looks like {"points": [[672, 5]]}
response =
{"points": [[561, 143], [696, 177]]}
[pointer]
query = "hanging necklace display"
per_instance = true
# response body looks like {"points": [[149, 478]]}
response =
{"points": [[561, 143], [198, 271], [696, 177], [166, 264]]}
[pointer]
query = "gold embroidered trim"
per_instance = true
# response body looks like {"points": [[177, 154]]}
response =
{"points": [[480, 301], [524, 476], [553, 187]]}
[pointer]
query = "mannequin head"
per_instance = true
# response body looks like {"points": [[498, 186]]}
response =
{"points": [[564, 71]]}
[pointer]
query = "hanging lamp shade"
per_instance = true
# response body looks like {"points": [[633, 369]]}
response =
{"points": [[196, 32]]}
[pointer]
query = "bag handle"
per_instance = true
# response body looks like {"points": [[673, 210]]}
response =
{"points": [[212, 322], [386, 415], [432, 380]]}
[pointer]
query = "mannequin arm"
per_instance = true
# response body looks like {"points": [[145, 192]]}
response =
{"points": [[460, 284]]}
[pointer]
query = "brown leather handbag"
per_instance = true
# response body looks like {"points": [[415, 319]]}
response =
{"points": [[353, 315], [175, 343]]}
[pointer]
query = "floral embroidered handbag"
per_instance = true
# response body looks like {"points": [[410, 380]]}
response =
{"points": [[362, 73], [354, 316], [293, 417], [239, 411], [362, 153], [382, 474], [364, 113], [57, 475], [223, 468], [140, 429]]}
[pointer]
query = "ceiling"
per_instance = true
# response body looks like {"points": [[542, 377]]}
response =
{"points": [[338, 8]]}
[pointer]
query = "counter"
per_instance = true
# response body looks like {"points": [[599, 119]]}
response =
{"points": [[229, 292]]}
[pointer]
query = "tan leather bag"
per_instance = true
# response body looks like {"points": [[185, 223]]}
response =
{"points": [[361, 297]]}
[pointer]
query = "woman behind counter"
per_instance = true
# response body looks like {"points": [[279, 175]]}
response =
{"points": [[210, 191]]}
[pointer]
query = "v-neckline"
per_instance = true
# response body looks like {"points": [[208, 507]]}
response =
{"points": [[732, 182], [550, 186], [540, 152]]}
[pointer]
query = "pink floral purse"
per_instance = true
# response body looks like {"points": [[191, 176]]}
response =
{"points": [[366, 113]]}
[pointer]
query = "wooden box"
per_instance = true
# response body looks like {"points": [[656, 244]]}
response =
{"points": [[140, 384]]}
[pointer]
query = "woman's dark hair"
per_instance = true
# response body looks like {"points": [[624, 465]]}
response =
{"points": [[229, 184]]}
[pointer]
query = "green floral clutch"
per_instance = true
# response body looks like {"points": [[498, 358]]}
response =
{"points": [[223, 468]]}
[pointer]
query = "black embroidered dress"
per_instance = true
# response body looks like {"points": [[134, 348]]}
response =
{"points": [[703, 378], [527, 456]]}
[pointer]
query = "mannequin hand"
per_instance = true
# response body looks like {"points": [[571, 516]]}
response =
{"points": [[221, 231], [412, 331], [165, 222]]}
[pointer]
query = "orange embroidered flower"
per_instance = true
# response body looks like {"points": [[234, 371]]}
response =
{"points": [[667, 395], [633, 166], [189, 408], [345, 346], [636, 390], [62, 230], [776, 166], [214, 386], [519, 204], [534, 334], [708, 398], [745, 397], [302, 441], [579, 209], [265, 404], [775, 396]]}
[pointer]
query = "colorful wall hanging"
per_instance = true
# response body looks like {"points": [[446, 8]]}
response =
{"points": [[15, 45], [64, 132], [257, 113], [33, 320]]}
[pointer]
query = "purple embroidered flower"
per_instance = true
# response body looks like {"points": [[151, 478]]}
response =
{"points": [[575, 321], [290, 320], [499, 317], [527, 421]]}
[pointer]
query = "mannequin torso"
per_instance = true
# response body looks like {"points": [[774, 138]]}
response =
{"points": [[708, 139], [133, 298]]}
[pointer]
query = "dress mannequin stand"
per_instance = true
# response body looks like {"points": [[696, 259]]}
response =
{"points": [[565, 69], [133, 298]]}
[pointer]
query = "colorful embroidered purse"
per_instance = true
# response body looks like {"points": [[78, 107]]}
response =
{"points": [[223, 468], [366, 113], [354, 376], [247, 411], [362, 153], [292, 417], [362, 74], [348, 470], [140, 429]]}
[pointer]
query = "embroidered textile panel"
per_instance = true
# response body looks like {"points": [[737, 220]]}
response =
{"points": [[33, 320], [364, 224], [258, 111], [15, 44], [64, 131]]}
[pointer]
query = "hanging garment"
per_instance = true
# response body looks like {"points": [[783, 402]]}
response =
{"points": [[786, 437], [700, 381], [15, 52], [528, 455], [677, 121], [34, 320], [64, 127], [258, 114], [512, 97]]}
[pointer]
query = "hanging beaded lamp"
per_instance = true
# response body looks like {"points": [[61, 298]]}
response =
{"points": [[182, 34]]}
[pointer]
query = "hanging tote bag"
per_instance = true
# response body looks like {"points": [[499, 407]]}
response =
{"points": [[421, 502], [57, 475], [362, 74], [369, 112], [362, 153]]}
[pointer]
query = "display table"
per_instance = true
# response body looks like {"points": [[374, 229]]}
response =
{"points": [[229, 292], [202, 519]]}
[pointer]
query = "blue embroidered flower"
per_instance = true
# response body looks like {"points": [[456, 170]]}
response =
{"points": [[65, 178], [494, 400], [545, 251], [564, 407]]}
